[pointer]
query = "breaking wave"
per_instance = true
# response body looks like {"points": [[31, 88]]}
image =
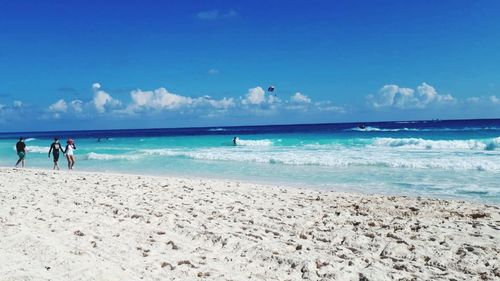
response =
{"points": [[418, 143], [327, 157], [264, 142], [36, 149], [103, 156], [375, 129]]}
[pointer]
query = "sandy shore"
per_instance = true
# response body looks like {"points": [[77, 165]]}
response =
{"points": [[89, 226]]}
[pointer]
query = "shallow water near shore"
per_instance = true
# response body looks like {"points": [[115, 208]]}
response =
{"points": [[457, 159]]}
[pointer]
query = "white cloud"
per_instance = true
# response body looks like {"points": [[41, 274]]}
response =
{"points": [[394, 96], [103, 100], [483, 100], [429, 94], [59, 106], [473, 100], [224, 103], [162, 99], [300, 98], [329, 106], [215, 14], [77, 105], [255, 96], [213, 71], [406, 98], [494, 99], [158, 99], [144, 102], [272, 99], [17, 104]]}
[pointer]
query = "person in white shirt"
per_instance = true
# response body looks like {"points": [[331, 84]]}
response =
{"points": [[70, 147]]}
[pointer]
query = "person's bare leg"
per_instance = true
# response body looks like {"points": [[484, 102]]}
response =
{"points": [[72, 162], [17, 163], [69, 162]]}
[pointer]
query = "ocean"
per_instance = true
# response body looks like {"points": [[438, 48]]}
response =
{"points": [[451, 159]]}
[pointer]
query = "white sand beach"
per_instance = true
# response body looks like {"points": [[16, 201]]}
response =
{"points": [[91, 226]]}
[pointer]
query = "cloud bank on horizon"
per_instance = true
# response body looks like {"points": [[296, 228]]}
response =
{"points": [[389, 96], [394, 96], [143, 103], [254, 104]]}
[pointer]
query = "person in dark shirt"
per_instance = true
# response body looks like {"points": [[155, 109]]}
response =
{"points": [[55, 148], [21, 151]]}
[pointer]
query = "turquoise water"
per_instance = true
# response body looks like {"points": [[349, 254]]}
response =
{"points": [[445, 160]]}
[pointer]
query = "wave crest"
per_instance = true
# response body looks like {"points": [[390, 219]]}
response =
{"points": [[263, 142], [375, 129], [37, 149], [418, 143], [333, 157], [103, 156]]}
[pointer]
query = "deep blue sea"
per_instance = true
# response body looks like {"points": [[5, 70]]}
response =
{"points": [[458, 159]]}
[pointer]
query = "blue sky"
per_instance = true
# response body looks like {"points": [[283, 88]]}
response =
{"points": [[131, 64]]}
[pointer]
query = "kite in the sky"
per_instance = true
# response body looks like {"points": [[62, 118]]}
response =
{"points": [[271, 89]]}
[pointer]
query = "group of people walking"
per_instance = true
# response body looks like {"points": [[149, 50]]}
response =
{"points": [[55, 149]]}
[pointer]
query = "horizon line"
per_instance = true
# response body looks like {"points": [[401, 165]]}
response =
{"points": [[254, 125]]}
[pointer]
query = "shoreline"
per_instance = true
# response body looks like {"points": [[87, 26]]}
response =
{"points": [[301, 186], [85, 225]]}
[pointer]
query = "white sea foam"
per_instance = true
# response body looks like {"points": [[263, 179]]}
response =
{"points": [[103, 156], [29, 139], [263, 142], [161, 152], [339, 157], [375, 129], [418, 143], [37, 149], [493, 144], [410, 153]]}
